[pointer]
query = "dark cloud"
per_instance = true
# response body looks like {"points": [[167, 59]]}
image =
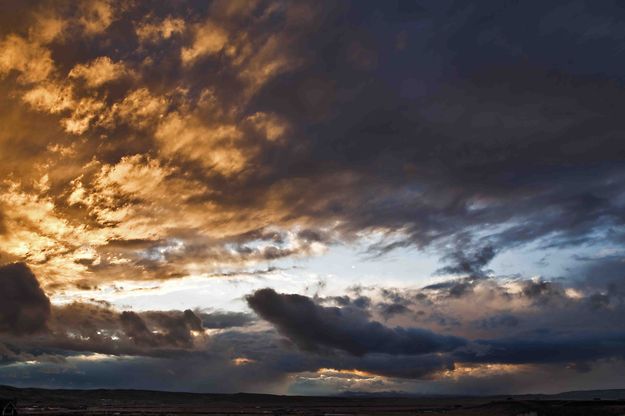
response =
{"points": [[24, 307], [388, 310], [605, 273], [313, 327], [504, 320], [137, 330], [455, 288], [176, 326], [362, 302], [441, 169], [542, 290], [31, 327], [470, 264], [320, 337], [161, 329], [547, 348], [223, 320]]}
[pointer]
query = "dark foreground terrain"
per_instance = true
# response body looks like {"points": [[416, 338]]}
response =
{"points": [[136, 402]]}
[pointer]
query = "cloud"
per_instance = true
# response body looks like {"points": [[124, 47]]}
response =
{"points": [[525, 323], [222, 320], [163, 29], [177, 327], [48, 28], [79, 333], [469, 264], [30, 324], [229, 102], [137, 330], [96, 16], [31, 60], [24, 307], [209, 39], [547, 348], [3, 227], [50, 97], [99, 71], [312, 339], [253, 161], [213, 146], [314, 327]]}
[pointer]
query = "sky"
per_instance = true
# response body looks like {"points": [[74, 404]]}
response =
{"points": [[312, 198]]}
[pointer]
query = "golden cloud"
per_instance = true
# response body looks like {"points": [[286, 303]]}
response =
{"points": [[126, 186], [99, 71], [31, 60]]}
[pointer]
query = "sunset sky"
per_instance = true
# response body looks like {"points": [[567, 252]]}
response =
{"points": [[303, 197]]}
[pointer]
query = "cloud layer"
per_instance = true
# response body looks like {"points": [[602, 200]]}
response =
{"points": [[211, 137], [522, 328]]}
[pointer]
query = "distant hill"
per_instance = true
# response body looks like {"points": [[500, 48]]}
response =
{"points": [[615, 394], [16, 392]]}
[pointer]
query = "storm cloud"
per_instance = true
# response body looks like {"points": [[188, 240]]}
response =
{"points": [[24, 307], [312, 326]]}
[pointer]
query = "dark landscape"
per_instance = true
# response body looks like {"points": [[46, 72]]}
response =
{"points": [[32, 401]]}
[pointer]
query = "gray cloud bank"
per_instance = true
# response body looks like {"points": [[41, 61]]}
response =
{"points": [[531, 324]]}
